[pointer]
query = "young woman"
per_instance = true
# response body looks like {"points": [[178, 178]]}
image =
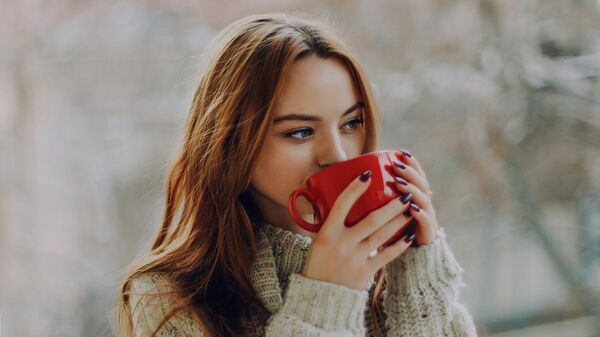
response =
{"points": [[281, 98]]}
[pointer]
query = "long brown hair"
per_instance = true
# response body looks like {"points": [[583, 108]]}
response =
{"points": [[207, 251]]}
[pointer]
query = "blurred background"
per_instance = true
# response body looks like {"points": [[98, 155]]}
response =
{"points": [[498, 99]]}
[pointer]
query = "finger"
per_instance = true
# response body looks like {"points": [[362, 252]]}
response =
{"points": [[383, 234], [419, 197], [426, 228], [410, 173], [410, 159], [344, 202], [392, 251], [378, 218]]}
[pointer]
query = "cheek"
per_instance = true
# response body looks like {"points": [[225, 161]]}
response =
{"points": [[359, 140], [280, 170]]}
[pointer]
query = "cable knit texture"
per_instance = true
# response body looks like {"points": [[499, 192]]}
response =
{"points": [[421, 298]]}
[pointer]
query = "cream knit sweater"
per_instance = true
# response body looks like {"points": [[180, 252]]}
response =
{"points": [[421, 298]]}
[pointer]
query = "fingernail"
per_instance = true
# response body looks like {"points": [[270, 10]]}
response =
{"points": [[406, 213], [406, 153], [409, 238], [406, 198], [415, 207], [365, 176], [401, 181], [399, 164]]}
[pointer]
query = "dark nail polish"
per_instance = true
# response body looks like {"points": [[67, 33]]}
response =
{"points": [[408, 238], [406, 213], [406, 153], [415, 207], [401, 181], [365, 176], [406, 198], [399, 164]]}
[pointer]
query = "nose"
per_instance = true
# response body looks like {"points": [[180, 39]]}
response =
{"points": [[331, 151]]}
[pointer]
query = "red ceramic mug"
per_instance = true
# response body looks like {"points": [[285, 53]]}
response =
{"points": [[325, 186]]}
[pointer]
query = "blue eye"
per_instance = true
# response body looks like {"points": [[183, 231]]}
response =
{"points": [[291, 134], [353, 123]]}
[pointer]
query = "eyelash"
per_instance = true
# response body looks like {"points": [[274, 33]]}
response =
{"points": [[356, 121]]}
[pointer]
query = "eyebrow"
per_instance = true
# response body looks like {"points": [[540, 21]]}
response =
{"points": [[313, 117]]}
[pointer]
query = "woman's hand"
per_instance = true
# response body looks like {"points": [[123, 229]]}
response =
{"points": [[411, 179], [341, 254]]}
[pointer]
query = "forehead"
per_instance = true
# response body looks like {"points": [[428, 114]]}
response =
{"points": [[317, 86]]}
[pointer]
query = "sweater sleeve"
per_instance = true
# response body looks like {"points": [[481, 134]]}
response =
{"points": [[422, 293], [310, 308], [317, 308]]}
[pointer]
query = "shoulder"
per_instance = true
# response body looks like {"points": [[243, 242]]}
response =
{"points": [[152, 299], [151, 283]]}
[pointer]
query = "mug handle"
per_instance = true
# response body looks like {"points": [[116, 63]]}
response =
{"points": [[292, 208]]}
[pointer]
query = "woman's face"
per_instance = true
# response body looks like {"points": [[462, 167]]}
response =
{"points": [[318, 121]]}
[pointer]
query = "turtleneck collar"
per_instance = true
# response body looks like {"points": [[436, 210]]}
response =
{"points": [[280, 253], [290, 251]]}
